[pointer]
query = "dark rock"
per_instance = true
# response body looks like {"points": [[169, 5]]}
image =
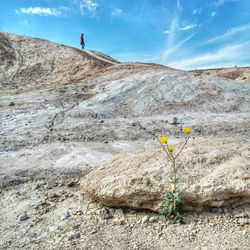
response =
{"points": [[66, 215], [36, 186], [71, 183], [216, 210], [106, 214], [32, 235], [11, 104], [76, 226], [175, 121], [23, 217], [74, 236]]}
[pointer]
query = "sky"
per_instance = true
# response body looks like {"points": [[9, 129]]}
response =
{"points": [[183, 34]]}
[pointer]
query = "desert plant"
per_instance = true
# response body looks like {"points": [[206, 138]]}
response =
{"points": [[172, 201]]}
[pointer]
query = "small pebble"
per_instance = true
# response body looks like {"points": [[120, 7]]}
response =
{"points": [[243, 221], [66, 215], [76, 226], [54, 229], [145, 219], [175, 121], [216, 210], [36, 186], [23, 217], [160, 234], [32, 235], [152, 219], [74, 236], [244, 232], [106, 213], [11, 104]]}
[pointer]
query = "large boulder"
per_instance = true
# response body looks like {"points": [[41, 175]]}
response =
{"points": [[213, 172]]}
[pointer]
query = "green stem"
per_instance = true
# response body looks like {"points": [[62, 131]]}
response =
{"points": [[182, 147], [175, 174]]}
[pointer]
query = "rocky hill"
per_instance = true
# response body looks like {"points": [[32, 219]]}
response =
{"points": [[74, 122], [236, 73]]}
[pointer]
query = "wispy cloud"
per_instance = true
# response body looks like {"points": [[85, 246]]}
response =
{"points": [[171, 38], [213, 14], [219, 3], [228, 33], [172, 32], [166, 31], [116, 12], [88, 5], [230, 55], [179, 7], [41, 11], [173, 49], [196, 11], [188, 27]]}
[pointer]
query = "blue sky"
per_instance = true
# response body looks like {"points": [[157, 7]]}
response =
{"points": [[184, 34]]}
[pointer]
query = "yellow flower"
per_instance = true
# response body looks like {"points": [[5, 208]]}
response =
{"points": [[170, 148], [187, 130], [164, 139]]}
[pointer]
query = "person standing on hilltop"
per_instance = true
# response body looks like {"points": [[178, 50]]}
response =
{"points": [[82, 41]]}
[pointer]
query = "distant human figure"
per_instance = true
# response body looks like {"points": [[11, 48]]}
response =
{"points": [[82, 43]]}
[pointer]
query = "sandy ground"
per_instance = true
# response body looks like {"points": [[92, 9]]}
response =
{"points": [[47, 226]]}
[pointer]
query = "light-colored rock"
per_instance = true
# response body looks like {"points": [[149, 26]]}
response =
{"points": [[145, 219], [212, 172], [73, 235], [153, 219], [54, 229], [66, 215], [243, 221]]}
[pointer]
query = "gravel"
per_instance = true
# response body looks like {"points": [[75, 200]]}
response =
{"points": [[125, 230]]}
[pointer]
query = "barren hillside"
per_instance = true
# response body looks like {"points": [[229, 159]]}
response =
{"points": [[236, 73], [74, 122]]}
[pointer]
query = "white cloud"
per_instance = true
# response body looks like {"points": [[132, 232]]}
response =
{"points": [[170, 51], [178, 5], [172, 32], [233, 54], [229, 33], [88, 5], [116, 12], [213, 14], [196, 11], [187, 27], [41, 11], [171, 38], [166, 31], [219, 3]]}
